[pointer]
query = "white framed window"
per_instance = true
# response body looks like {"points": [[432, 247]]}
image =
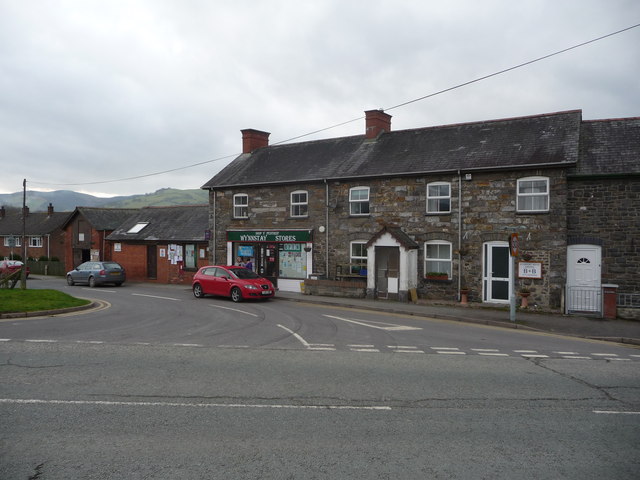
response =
{"points": [[299, 203], [17, 241], [241, 205], [358, 256], [35, 242], [439, 197], [533, 194], [359, 201], [437, 257]]}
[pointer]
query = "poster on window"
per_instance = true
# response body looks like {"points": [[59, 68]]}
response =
{"points": [[293, 261]]}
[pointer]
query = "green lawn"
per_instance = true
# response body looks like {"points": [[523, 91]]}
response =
{"points": [[18, 300]]}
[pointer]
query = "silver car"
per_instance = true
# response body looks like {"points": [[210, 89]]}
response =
{"points": [[97, 273]]}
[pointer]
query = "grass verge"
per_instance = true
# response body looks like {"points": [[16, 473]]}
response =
{"points": [[18, 300]]}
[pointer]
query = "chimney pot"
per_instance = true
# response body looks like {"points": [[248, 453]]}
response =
{"points": [[50, 209], [376, 122], [253, 139]]}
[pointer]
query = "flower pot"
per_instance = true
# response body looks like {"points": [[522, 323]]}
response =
{"points": [[525, 299]]}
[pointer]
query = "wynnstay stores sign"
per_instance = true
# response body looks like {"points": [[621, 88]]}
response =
{"points": [[282, 236]]}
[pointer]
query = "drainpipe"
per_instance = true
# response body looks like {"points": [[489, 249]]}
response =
{"points": [[102, 252], [459, 234], [326, 221], [213, 230]]}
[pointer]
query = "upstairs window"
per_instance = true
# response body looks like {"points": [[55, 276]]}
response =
{"points": [[437, 257], [35, 242], [241, 205], [299, 203], [533, 194], [359, 201], [439, 197], [137, 228]]}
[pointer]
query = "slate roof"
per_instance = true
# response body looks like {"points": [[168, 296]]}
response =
{"points": [[534, 141], [610, 147], [37, 223], [104, 218], [170, 224], [397, 233]]}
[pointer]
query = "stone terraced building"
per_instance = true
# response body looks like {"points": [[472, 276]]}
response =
{"points": [[430, 212]]}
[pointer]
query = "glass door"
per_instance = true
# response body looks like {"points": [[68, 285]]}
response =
{"points": [[496, 272]]}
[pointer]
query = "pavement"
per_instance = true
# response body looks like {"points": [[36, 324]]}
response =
{"points": [[618, 330]]}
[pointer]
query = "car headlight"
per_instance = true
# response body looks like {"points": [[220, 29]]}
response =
{"points": [[251, 287]]}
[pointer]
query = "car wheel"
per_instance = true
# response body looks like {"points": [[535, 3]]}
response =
{"points": [[236, 294], [70, 281], [92, 282], [197, 291]]}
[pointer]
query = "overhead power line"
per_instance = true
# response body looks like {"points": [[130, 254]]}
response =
{"points": [[403, 104]]}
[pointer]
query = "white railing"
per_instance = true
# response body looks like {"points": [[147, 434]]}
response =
{"points": [[586, 300]]}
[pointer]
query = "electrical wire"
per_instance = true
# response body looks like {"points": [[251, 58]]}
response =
{"points": [[403, 104]]}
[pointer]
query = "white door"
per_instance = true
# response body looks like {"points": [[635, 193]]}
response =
{"points": [[496, 272], [583, 278]]}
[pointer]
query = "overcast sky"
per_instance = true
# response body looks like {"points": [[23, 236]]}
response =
{"points": [[94, 91]]}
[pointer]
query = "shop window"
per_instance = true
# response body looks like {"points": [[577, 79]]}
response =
{"points": [[439, 197], [241, 205], [292, 260], [437, 257], [358, 257], [359, 201], [299, 203], [533, 194]]}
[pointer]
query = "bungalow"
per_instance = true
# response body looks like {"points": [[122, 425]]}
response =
{"points": [[162, 244]]}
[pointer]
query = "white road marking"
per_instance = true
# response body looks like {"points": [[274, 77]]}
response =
{"points": [[613, 412], [92, 342], [604, 354], [300, 339], [485, 350], [525, 351], [444, 348], [356, 345], [187, 345], [5, 339], [188, 405], [234, 310], [367, 350], [567, 353], [101, 290], [533, 355], [493, 354], [41, 341], [576, 357], [389, 327], [156, 296], [450, 352]]}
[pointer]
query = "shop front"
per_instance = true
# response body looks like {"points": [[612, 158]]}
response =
{"points": [[282, 256]]}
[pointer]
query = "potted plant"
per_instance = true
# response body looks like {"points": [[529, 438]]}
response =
{"points": [[524, 293], [437, 276], [464, 295]]}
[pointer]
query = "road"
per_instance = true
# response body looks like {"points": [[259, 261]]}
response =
{"points": [[158, 384]]}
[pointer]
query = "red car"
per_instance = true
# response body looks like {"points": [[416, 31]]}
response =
{"points": [[7, 267], [239, 283]]}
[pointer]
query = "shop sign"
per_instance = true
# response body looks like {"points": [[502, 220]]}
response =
{"points": [[283, 236]]}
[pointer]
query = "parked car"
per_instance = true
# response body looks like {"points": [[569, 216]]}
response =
{"points": [[7, 267], [238, 283], [97, 273]]}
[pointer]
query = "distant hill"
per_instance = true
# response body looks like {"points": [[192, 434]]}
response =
{"points": [[67, 200]]}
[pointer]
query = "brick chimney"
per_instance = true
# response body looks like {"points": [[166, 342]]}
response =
{"points": [[50, 209], [377, 122], [252, 139], [3, 212]]}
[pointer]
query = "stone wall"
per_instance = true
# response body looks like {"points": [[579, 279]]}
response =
{"points": [[607, 210], [487, 211], [333, 288]]}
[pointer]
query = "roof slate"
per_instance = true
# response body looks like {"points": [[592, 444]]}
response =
{"points": [[609, 147], [540, 140], [106, 218], [171, 224], [37, 223]]}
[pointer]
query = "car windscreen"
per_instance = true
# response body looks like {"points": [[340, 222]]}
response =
{"points": [[244, 273]]}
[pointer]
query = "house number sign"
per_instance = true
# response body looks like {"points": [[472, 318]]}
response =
{"points": [[529, 269]]}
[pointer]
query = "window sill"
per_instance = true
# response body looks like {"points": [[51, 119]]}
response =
{"points": [[362, 215], [533, 212], [438, 280]]}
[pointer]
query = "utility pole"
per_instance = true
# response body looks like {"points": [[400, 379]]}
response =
{"points": [[23, 276]]}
